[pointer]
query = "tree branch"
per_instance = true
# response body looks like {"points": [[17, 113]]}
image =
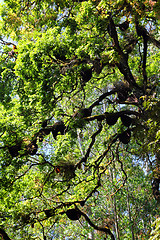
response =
{"points": [[4, 234], [84, 159], [103, 96], [123, 62], [106, 229]]}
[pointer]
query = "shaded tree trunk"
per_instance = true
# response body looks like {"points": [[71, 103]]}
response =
{"points": [[129, 213], [114, 207], [4, 235], [91, 235]]}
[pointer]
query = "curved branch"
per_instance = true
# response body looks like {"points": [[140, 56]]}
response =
{"points": [[106, 229], [103, 96], [142, 32], [84, 159]]}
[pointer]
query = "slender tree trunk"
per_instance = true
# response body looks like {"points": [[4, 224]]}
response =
{"points": [[114, 207], [129, 212], [116, 219], [80, 147], [91, 236], [80, 142]]}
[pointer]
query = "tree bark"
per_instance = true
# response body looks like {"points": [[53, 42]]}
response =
{"points": [[4, 234], [114, 206], [129, 212]]}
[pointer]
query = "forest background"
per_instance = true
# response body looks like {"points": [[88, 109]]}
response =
{"points": [[79, 119]]}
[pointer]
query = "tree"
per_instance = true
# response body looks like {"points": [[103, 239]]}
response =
{"points": [[79, 118], [155, 232]]}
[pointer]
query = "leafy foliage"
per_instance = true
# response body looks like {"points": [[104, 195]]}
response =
{"points": [[79, 119]]}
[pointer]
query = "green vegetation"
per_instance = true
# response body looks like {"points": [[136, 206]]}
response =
{"points": [[79, 120]]}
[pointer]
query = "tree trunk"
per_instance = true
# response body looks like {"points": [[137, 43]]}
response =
{"points": [[80, 147], [129, 212], [4, 234], [114, 207], [90, 235]]}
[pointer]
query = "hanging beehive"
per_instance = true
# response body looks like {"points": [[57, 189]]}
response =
{"points": [[123, 90], [83, 113], [125, 136], [126, 120], [58, 127], [86, 74], [73, 214], [32, 148], [13, 150], [111, 119], [42, 133]]}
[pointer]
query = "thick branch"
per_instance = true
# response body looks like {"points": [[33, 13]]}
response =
{"points": [[106, 229], [113, 33], [155, 189], [4, 234], [103, 96], [125, 70], [108, 115], [92, 143], [142, 32], [123, 62]]}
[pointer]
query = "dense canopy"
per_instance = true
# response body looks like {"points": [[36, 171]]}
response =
{"points": [[79, 119]]}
